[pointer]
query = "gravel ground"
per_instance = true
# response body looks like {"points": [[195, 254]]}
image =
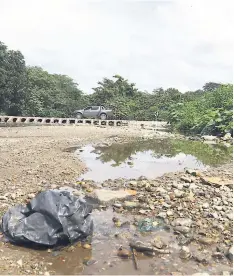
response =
{"points": [[32, 157], [35, 158]]}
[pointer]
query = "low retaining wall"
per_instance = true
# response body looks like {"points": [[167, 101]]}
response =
{"points": [[14, 120], [59, 121]]}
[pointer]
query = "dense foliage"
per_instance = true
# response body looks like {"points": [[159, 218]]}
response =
{"points": [[33, 91], [210, 113]]}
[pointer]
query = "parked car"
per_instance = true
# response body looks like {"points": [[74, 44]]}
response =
{"points": [[94, 112]]}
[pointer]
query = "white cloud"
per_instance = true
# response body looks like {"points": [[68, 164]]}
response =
{"points": [[180, 44]]}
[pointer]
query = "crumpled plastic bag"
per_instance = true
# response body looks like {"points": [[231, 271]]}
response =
{"points": [[52, 217]]}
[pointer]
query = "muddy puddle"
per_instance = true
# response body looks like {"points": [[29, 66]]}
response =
{"points": [[102, 257], [131, 160], [150, 158]]}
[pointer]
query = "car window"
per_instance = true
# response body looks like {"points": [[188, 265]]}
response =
{"points": [[88, 108], [95, 107]]}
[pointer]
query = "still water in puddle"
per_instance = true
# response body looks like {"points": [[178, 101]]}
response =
{"points": [[102, 257], [150, 158]]}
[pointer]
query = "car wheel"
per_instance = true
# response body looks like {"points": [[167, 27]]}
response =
{"points": [[79, 116], [103, 116]]}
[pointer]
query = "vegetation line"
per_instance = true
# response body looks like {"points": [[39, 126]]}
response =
{"points": [[32, 91]]}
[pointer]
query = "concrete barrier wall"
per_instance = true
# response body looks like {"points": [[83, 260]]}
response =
{"points": [[14, 120]]}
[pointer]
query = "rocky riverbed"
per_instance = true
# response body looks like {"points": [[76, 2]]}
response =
{"points": [[177, 224]]}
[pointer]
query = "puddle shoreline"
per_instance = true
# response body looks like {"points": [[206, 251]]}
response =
{"points": [[151, 158]]}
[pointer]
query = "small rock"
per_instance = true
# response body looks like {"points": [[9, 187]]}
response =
{"points": [[90, 262], [105, 196], [174, 184], [182, 222], [117, 205], [178, 193], [142, 212], [172, 196], [71, 249], [190, 197], [215, 215], [143, 247], [30, 196], [115, 219], [229, 216], [162, 215], [170, 213], [185, 252], [180, 186], [161, 191], [53, 186], [125, 224], [186, 185], [218, 208], [89, 190], [218, 255], [201, 258], [182, 229], [131, 204], [123, 253], [206, 240], [20, 262], [205, 205], [3, 198], [230, 253], [47, 273], [180, 208], [226, 137], [133, 183], [158, 243], [13, 196], [186, 179], [165, 205], [86, 246], [118, 223]]}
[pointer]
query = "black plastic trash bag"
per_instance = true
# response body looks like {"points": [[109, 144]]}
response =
{"points": [[51, 218]]}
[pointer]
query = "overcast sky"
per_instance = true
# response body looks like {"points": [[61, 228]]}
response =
{"points": [[180, 44]]}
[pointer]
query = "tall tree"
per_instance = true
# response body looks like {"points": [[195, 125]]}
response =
{"points": [[51, 94], [12, 81], [211, 86]]}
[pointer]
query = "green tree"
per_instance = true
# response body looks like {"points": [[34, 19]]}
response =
{"points": [[12, 81], [211, 86], [51, 94], [211, 113]]}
